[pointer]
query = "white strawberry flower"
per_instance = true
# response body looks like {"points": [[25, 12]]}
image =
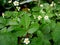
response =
{"points": [[28, 9], [41, 5], [10, 1], [18, 8], [39, 17], [3, 15], [16, 3], [52, 4], [46, 17], [26, 41]]}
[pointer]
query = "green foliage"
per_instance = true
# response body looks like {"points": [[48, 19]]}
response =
{"points": [[33, 28], [8, 39], [40, 23], [25, 20]]}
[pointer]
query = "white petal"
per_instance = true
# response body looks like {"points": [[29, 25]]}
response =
{"points": [[28, 42], [46, 17]]}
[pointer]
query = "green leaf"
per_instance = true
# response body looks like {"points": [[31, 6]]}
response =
{"points": [[56, 33], [46, 28], [1, 26], [57, 43], [36, 41], [8, 39], [25, 20], [9, 14], [47, 36], [17, 30], [36, 9], [12, 22], [58, 7], [13, 28], [46, 42], [56, 1], [21, 32], [40, 34], [2, 20], [52, 25], [3, 30], [33, 28], [42, 37], [47, 7]]}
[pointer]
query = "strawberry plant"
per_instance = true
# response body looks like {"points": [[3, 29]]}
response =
{"points": [[29, 22]]}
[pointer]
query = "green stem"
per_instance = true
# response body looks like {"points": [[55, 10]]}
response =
{"points": [[38, 2]]}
